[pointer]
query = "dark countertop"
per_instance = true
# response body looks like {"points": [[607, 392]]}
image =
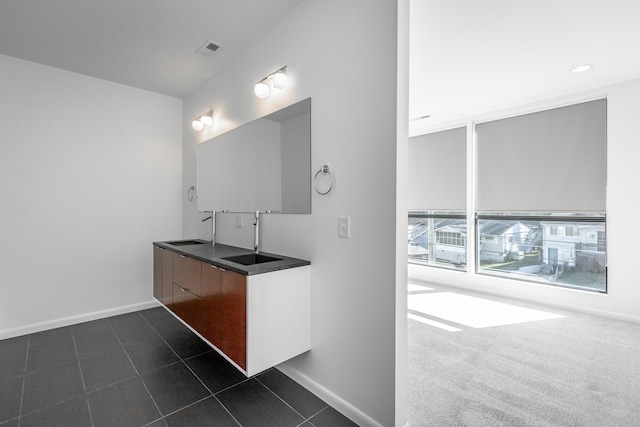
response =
{"points": [[213, 254]]}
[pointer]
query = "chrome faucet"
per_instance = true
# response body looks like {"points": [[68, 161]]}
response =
{"points": [[256, 231], [213, 226]]}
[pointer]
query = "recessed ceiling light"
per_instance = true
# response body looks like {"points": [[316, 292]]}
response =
{"points": [[581, 68]]}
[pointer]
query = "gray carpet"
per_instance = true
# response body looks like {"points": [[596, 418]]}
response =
{"points": [[580, 370]]}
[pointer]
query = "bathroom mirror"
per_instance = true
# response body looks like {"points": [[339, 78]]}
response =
{"points": [[263, 165]]}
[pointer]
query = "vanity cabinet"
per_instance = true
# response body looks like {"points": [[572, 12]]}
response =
{"points": [[256, 321]]}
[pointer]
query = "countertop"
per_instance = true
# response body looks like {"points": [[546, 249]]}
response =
{"points": [[213, 254]]}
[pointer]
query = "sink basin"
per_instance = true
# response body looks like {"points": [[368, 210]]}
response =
{"points": [[251, 259], [187, 242]]}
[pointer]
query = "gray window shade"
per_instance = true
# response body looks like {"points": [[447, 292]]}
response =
{"points": [[549, 161], [438, 171]]}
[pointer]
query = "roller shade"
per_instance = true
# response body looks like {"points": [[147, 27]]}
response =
{"points": [[438, 171], [549, 161]]}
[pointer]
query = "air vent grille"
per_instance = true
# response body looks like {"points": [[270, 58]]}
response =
{"points": [[209, 48]]}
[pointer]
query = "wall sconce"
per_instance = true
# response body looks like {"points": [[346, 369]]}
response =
{"points": [[278, 79], [205, 119]]}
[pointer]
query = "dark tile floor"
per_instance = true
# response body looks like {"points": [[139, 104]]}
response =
{"points": [[143, 369]]}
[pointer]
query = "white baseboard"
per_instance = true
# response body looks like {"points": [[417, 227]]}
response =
{"points": [[72, 320], [341, 405]]}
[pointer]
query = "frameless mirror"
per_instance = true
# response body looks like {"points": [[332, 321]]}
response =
{"points": [[263, 165]]}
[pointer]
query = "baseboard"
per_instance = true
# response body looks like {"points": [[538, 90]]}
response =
{"points": [[72, 320], [341, 405]]}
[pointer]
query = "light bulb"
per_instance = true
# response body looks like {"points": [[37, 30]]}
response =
{"points": [[280, 80], [206, 120], [197, 125], [262, 89]]}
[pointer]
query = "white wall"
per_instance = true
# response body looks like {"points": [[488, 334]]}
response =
{"points": [[343, 55], [89, 177], [623, 205]]}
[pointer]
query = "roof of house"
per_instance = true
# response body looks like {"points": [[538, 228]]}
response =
{"points": [[495, 228]]}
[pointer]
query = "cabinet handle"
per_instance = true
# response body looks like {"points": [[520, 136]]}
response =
{"points": [[183, 290]]}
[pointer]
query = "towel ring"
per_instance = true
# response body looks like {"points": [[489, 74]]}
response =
{"points": [[323, 169]]}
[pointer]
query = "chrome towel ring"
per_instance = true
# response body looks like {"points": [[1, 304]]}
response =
{"points": [[324, 169]]}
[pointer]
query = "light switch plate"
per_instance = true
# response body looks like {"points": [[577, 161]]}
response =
{"points": [[344, 227], [239, 219]]}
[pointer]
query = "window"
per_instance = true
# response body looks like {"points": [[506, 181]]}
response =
{"points": [[532, 250], [541, 190], [437, 199], [451, 238], [438, 239]]}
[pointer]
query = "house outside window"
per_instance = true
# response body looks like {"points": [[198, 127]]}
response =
{"points": [[438, 239], [531, 249]]}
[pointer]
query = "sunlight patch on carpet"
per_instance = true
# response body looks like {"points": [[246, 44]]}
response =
{"points": [[433, 323], [474, 312], [413, 288]]}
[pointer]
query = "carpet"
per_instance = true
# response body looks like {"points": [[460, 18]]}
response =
{"points": [[571, 370]]}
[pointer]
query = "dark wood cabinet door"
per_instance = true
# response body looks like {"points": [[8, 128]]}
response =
{"points": [[157, 273], [186, 305], [167, 277], [233, 341], [187, 272], [211, 303], [234, 296]]}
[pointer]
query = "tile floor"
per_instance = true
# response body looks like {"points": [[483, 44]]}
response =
{"points": [[143, 369]]}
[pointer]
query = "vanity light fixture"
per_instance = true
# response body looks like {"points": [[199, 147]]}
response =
{"points": [[205, 119], [278, 80]]}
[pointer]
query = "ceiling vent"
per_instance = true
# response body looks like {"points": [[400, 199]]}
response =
{"points": [[209, 48]]}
